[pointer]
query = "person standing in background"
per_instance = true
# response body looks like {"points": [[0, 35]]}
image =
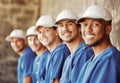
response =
{"points": [[48, 36], [69, 32], [104, 66], [39, 70], [26, 59]]}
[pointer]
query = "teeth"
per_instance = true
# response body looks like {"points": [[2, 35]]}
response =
{"points": [[89, 36], [66, 34]]}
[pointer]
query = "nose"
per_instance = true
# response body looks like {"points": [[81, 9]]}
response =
{"points": [[89, 28], [65, 27], [43, 34]]}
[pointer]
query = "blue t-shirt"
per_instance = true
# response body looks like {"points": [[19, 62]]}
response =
{"points": [[39, 70], [105, 68], [74, 63], [25, 64], [55, 62]]}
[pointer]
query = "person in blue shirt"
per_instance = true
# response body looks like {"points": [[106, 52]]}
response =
{"points": [[104, 66], [69, 32], [48, 36], [26, 59], [39, 70]]}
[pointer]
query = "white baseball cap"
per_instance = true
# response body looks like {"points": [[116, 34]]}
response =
{"points": [[66, 14], [45, 20], [31, 31], [96, 12], [18, 33]]}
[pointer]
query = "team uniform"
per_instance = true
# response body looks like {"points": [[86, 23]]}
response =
{"points": [[74, 63], [25, 64], [55, 62], [39, 70], [105, 68]]}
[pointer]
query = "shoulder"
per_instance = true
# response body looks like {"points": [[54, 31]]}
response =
{"points": [[28, 53], [62, 47]]}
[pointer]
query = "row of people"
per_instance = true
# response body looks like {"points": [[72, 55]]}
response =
{"points": [[70, 50]]}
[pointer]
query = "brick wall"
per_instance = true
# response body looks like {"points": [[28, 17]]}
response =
{"points": [[14, 14]]}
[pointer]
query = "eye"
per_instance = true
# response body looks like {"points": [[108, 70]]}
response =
{"points": [[60, 25], [96, 24], [47, 30], [70, 23], [39, 32], [85, 24]]}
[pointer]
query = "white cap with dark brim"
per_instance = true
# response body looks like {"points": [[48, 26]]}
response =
{"points": [[96, 12], [17, 33], [31, 31], [45, 21], [66, 14]]}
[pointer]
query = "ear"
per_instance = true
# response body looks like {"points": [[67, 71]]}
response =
{"points": [[79, 28], [57, 29], [57, 33], [108, 29]]}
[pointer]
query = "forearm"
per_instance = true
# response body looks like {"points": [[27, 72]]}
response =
{"points": [[27, 79], [55, 80]]}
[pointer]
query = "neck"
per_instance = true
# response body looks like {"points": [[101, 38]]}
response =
{"points": [[101, 47], [21, 52], [74, 44], [41, 51], [52, 46]]}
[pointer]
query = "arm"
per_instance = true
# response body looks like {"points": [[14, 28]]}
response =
{"points": [[58, 62], [27, 79], [55, 80]]}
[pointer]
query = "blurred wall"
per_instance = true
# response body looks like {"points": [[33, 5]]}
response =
{"points": [[14, 14], [24, 13]]}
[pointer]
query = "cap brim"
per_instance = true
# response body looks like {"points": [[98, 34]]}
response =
{"points": [[82, 18], [8, 38], [36, 28], [43, 26], [64, 19]]}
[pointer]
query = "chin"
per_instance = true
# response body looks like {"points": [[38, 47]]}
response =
{"points": [[89, 44], [92, 44]]}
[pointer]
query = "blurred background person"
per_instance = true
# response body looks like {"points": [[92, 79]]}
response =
{"points": [[39, 65], [25, 61]]}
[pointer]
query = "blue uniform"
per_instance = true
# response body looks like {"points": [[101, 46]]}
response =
{"points": [[105, 68], [39, 69], [25, 64], [55, 62], [74, 63]]}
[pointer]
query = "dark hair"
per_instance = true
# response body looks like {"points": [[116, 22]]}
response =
{"points": [[105, 22], [54, 27]]}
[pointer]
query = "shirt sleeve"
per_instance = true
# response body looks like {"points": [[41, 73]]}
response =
{"points": [[58, 63], [27, 65]]}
